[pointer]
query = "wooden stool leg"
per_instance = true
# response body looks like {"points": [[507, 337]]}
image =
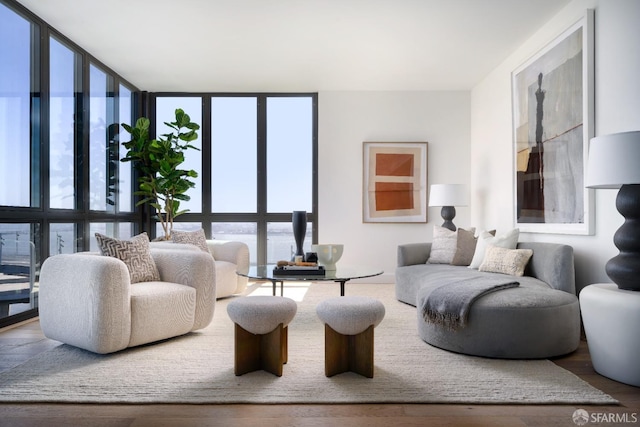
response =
{"points": [[271, 350], [336, 352], [246, 351], [254, 352], [343, 353], [285, 344], [361, 353]]}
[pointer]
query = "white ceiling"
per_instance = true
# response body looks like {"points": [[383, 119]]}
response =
{"points": [[298, 45]]}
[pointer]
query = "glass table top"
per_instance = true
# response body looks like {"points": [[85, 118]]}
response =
{"points": [[341, 274]]}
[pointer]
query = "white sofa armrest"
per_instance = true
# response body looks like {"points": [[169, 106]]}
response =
{"points": [[234, 252], [85, 301], [230, 251], [193, 268]]}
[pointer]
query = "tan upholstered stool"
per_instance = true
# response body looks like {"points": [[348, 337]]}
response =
{"points": [[261, 332], [348, 342]]}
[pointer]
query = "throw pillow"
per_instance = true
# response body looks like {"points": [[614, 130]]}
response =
{"points": [[465, 247], [506, 261], [135, 253], [508, 240], [443, 247], [196, 238]]}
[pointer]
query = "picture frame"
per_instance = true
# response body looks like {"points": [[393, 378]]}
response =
{"points": [[553, 118], [394, 182]]}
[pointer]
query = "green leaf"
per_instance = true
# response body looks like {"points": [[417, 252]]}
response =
{"points": [[143, 123], [183, 197]]}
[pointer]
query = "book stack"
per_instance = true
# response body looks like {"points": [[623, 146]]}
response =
{"points": [[299, 270]]}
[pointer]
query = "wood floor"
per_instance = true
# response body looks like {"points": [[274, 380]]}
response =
{"points": [[24, 341]]}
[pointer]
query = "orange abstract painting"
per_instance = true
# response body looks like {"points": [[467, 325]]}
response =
{"points": [[395, 182], [388, 164], [394, 196]]}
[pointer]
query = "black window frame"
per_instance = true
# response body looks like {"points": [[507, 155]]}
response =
{"points": [[39, 214], [261, 217]]}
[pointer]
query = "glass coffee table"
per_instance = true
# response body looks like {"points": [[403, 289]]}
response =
{"points": [[342, 275]]}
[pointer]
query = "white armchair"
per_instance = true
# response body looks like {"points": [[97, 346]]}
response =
{"points": [[87, 300]]}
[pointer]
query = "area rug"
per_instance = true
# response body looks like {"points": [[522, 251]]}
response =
{"points": [[198, 368]]}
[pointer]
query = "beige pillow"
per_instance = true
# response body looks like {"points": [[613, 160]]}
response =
{"points": [[505, 261], [508, 240], [443, 247], [134, 253], [465, 247], [196, 238]]}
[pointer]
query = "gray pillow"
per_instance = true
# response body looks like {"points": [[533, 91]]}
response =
{"points": [[134, 253], [443, 247], [465, 247]]}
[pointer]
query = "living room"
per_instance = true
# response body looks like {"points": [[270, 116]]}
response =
{"points": [[470, 140]]}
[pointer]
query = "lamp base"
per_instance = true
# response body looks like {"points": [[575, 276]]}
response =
{"points": [[624, 268], [448, 213]]}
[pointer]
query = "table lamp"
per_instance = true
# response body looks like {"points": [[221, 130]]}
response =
{"points": [[448, 196], [614, 162]]}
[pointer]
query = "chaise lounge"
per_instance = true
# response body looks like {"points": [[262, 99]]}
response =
{"points": [[538, 319]]}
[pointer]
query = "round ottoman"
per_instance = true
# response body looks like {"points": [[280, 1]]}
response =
{"points": [[349, 323], [526, 322], [261, 332]]}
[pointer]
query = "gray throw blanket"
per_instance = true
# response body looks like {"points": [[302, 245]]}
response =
{"points": [[449, 304]]}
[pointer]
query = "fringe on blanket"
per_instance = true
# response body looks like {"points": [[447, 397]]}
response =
{"points": [[450, 321]]}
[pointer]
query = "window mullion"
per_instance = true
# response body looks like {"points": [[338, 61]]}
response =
{"points": [[261, 176]]}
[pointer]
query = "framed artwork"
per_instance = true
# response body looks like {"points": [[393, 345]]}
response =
{"points": [[395, 182], [552, 96]]}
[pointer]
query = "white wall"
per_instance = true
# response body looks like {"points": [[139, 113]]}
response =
{"points": [[617, 108], [349, 118]]}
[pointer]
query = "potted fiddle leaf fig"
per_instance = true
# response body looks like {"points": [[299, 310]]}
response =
{"points": [[162, 183]]}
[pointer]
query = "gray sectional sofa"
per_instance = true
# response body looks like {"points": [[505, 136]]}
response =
{"points": [[538, 319]]}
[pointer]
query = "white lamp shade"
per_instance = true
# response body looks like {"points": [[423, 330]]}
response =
{"points": [[614, 160], [448, 195]]}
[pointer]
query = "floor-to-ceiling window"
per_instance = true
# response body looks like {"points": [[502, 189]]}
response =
{"points": [[289, 171], [61, 180], [65, 72], [256, 164], [20, 156], [60, 176]]}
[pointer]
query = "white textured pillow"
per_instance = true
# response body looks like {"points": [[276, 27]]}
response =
{"points": [[444, 246], [505, 261], [508, 240], [196, 238]]}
